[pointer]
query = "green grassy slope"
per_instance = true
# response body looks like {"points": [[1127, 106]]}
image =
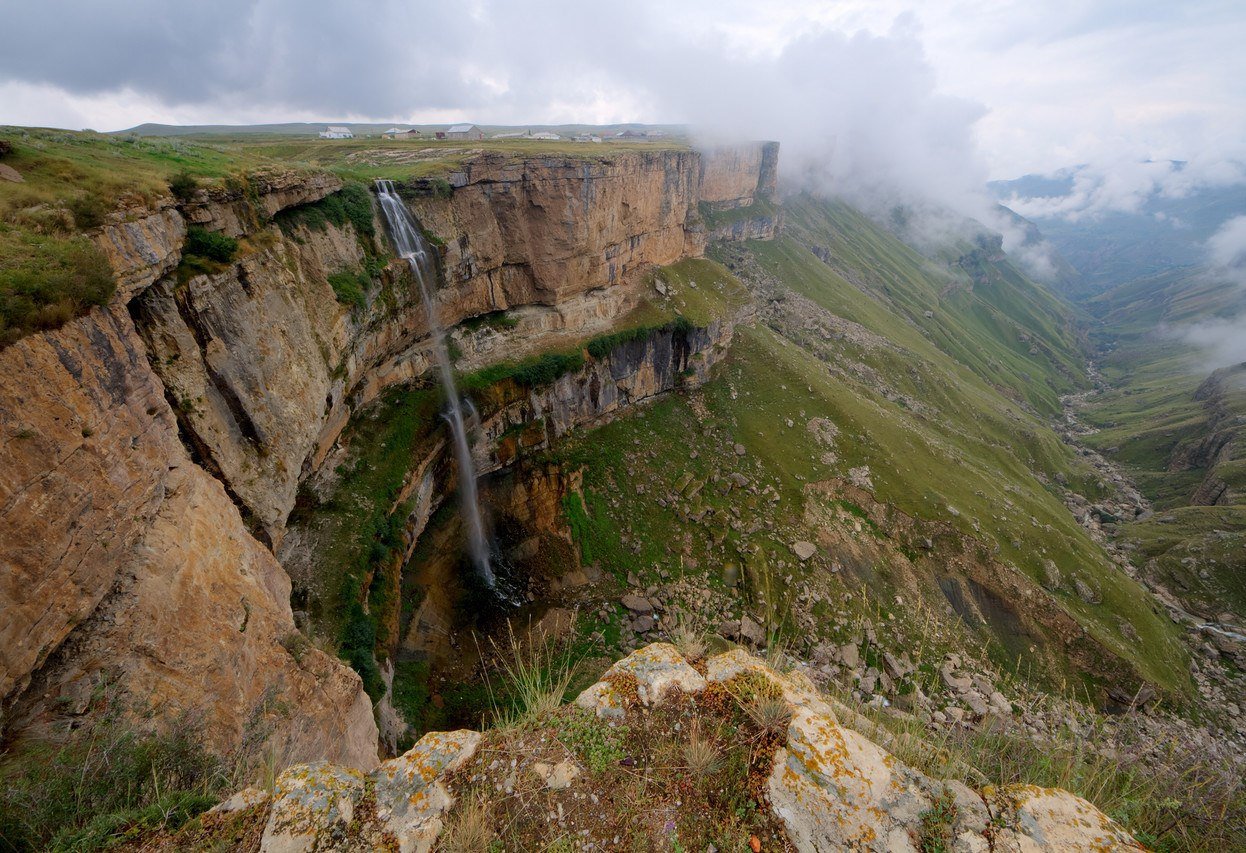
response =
{"points": [[1153, 420], [937, 407], [1016, 335]]}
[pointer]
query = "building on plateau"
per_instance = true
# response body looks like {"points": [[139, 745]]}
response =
{"points": [[527, 134], [464, 131], [335, 131]]}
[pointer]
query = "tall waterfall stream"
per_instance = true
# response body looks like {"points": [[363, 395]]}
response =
{"points": [[411, 246]]}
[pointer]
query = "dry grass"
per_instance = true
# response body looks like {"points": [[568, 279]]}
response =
{"points": [[691, 643], [533, 675], [700, 754], [469, 830], [770, 714]]}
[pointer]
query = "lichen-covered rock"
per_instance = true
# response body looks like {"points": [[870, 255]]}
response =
{"points": [[245, 799], [835, 790], [830, 786], [603, 699], [656, 668], [313, 807], [410, 793], [1047, 820], [796, 689]]}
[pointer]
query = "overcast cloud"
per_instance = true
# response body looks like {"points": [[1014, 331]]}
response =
{"points": [[1221, 341], [876, 98]]}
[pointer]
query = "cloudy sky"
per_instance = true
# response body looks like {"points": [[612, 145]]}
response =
{"points": [[955, 92]]}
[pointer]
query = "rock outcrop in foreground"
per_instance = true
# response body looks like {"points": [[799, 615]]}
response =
{"points": [[826, 785]]}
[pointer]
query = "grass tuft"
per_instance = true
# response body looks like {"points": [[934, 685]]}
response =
{"points": [[535, 673]]}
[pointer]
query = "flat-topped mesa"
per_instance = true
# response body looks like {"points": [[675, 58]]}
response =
{"points": [[543, 230]]}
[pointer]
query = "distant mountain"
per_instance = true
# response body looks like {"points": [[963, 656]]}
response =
{"points": [[1112, 248]]}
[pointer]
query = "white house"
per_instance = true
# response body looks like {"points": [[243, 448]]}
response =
{"points": [[465, 131], [526, 134], [335, 131], [392, 133]]}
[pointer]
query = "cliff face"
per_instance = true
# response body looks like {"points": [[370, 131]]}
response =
{"points": [[153, 449], [267, 367], [663, 361], [1216, 445], [738, 191], [736, 176], [128, 568], [86, 440], [129, 576], [517, 422], [249, 356], [538, 231]]}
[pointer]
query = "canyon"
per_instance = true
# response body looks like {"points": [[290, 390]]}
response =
{"points": [[155, 446], [695, 409]]}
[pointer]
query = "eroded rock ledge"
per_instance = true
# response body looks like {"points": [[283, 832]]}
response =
{"points": [[829, 787]]}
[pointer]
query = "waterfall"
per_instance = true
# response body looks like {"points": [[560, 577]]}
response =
{"points": [[412, 247]]}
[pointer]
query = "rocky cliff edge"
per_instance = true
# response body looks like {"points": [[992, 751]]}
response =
{"points": [[814, 782]]}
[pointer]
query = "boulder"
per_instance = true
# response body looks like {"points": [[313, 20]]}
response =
{"points": [[410, 794], [751, 632], [636, 603], [1051, 820], [959, 683], [804, 550], [1085, 591], [241, 801], [976, 703], [657, 668], [1051, 576], [311, 802], [835, 790]]}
